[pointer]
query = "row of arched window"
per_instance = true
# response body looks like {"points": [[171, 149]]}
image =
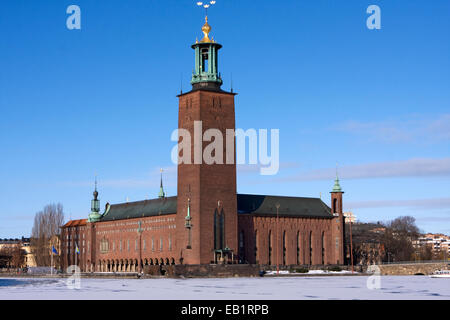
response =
{"points": [[127, 265], [301, 257]]}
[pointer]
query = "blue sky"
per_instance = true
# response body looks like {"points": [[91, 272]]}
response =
{"points": [[103, 100]]}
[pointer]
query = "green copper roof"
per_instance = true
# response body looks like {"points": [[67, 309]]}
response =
{"points": [[261, 205], [94, 217], [206, 64], [146, 208], [337, 186]]}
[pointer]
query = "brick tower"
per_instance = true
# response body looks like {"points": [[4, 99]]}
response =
{"points": [[339, 223], [206, 202]]}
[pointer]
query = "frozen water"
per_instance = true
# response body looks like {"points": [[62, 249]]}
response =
{"points": [[268, 288]]}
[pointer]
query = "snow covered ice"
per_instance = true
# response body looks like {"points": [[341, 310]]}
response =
{"points": [[268, 288]]}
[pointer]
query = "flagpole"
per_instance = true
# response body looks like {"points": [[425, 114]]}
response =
{"points": [[51, 263], [76, 254]]}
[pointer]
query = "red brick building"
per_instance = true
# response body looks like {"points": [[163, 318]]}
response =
{"points": [[207, 222]]}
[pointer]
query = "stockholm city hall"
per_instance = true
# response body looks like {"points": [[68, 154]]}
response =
{"points": [[207, 222]]}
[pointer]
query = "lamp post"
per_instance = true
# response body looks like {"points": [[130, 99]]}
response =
{"points": [[278, 238], [351, 245]]}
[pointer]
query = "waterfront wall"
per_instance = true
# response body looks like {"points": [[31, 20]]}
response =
{"points": [[411, 269]]}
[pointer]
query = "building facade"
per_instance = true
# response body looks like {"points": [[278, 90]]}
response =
{"points": [[439, 244], [9, 249], [207, 222]]}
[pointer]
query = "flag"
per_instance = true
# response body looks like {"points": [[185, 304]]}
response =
{"points": [[54, 250], [76, 249]]}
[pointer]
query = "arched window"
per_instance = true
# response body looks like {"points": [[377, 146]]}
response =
{"points": [[270, 247], [334, 205], [256, 246], [219, 230], [323, 247], [242, 246]]}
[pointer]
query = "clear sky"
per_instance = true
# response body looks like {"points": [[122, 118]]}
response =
{"points": [[102, 100]]}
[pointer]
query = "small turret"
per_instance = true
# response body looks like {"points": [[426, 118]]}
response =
{"points": [[337, 186], [188, 215], [336, 196], [95, 215], [161, 193]]}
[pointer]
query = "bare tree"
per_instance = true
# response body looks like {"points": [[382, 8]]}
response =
{"points": [[17, 256], [47, 224], [398, 238], [426, 252], [12, 256]]}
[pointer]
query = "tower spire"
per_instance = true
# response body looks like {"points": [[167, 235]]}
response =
{"points": [[206, 74], [95, 215], [161, 194], [337, 186]]}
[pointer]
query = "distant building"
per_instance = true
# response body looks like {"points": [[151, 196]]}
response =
{"points": [[6, 247], [440, 243], [349, 217]]}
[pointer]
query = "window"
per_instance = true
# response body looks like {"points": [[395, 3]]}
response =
{"points": [[219, 230], [104, 246], [160, 244], [242, 246], [270, 247], [256, 246], [205, 57], [153, 244], [323, 247]]}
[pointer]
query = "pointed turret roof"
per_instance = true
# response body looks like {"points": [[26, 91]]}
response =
{"points": [[337, 186], [161, 193]]}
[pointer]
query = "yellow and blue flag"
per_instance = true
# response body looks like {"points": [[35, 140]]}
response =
{"points": [[76, 249], [54, 250]]}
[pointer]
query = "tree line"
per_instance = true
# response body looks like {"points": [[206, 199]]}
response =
{"points": [[46, 232], [392, 241]]}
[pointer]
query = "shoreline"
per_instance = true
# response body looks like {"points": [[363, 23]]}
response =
{"points": [[136, 276]]}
